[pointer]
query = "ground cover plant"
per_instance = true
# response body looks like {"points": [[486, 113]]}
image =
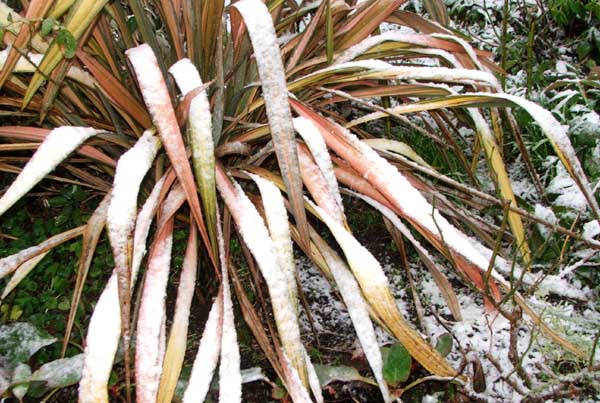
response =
{"points": [[236, 157]]}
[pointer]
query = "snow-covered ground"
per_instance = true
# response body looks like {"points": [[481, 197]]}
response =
{"points": [[483, 336]]}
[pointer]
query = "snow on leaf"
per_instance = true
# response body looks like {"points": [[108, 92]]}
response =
{"points": [[53, 150], [178, 337], [20, 376], [425, 41], [207, 356], [374, 284], [59, 373], [313, 139], [11, 263], [294, 384], [20, 340], [105, 325], [441, 281], [120, 220], [279, 229], [357, 309], [270, 68], [255, 234], [412, 203], [156, 96], [230, 378], [21, 273], [382, 70], [560, 141], [339, 373], [152, 312], [316, 184], [201, 138], [313, 379]]}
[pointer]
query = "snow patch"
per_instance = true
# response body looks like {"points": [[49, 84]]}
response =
{"points": [[545, 213]]}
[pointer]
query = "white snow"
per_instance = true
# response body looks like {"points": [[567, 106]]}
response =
{"points": [[230, 378], [105, 325], [59, 143], [358, 311], [586, 123], [591, 229], [569, 194], [545, 213], [270, 68], [200, 121], [279, 229], [207, 356], [150, 325], [256, 236], [313, 139], [131, 169]]}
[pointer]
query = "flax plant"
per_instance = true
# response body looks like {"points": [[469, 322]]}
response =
{"points": [[239, 109]]}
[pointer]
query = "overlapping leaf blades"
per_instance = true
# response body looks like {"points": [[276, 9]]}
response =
{"points": [[256, 120]]}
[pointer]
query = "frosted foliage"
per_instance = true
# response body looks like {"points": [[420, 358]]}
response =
{"points": [[278, 223], [437, 53], [153, 87], [296, 389], [359, 313], [187, 285], [142, 227], [207, 356], [545, 213], [255, 235], [171, 204], [390, 36], [22, 271], [426, 73], [591, 229], [413, 204], [279, 230], [59, 143], [157, 99], [21, 340], [317, 185], [468, 49], [569, 194], [444, 74], [230, 378], [314, 140], [105, 325], [148, 357], [365, 267], [557, 134], [270, 68], [101, 345], [313, 379], [59, 373], [186, 76], [131, 169], [368, 64]]}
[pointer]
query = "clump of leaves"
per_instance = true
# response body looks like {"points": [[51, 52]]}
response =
{"points": [[250, 68]]}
